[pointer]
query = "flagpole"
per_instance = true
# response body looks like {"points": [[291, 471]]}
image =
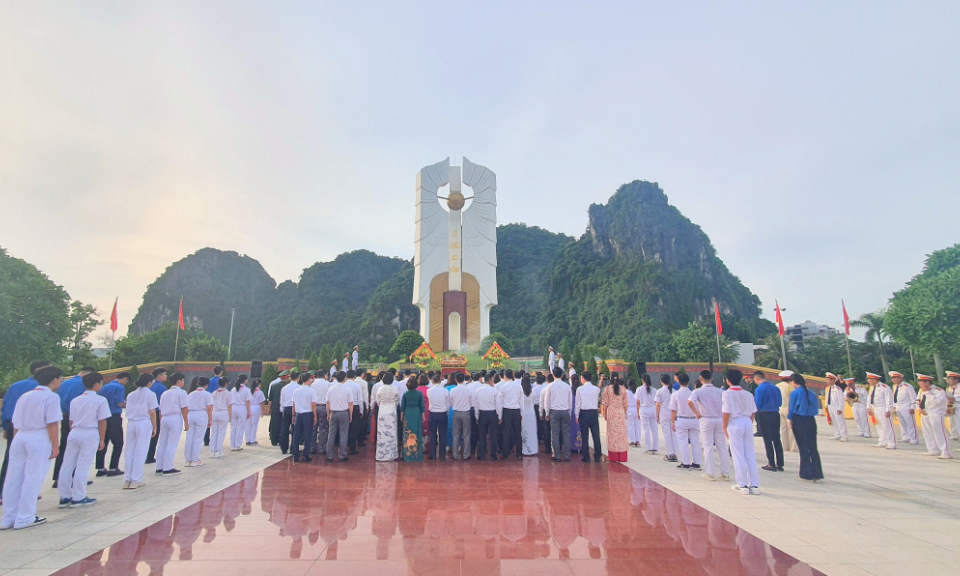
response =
{"points": [[846, 340], [783, 351], [113, 344], [716, 312], [846, 334], [176, 342]]}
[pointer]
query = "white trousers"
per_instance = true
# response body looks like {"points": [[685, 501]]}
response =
{"points": [[648, 427], [633, 426], [908, 426], [935, 433], [688, 439], [885, 429], [711, 435], [953, 427], [198, 421], [28, 465], [135, 446], [669, 436], [860, 417], [238, 425], [253, 423], [82, 444], [839, 423], [171, 427], [744, 457], [786, 435], [218, 431]]}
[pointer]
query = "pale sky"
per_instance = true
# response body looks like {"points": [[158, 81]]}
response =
{"points": [[816, 143]]}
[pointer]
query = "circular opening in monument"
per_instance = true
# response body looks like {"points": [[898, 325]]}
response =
{"points": [[444, 192]]}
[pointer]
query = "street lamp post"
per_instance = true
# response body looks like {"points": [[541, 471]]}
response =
{"points": [[233, 312]]}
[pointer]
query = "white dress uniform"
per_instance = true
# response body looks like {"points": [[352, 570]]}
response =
{"points": [[355, 360], [256, 405], [30, 459], [633, 419], [140, 404], [709, 400], [881, 403], [688, 430], [172, 403], [199, 420], [739, 404], [905, 400], [648, 417], [835, 404], [952, 426], [221, 415], [663, 397], [552, 362], [86, 412], [933, 412], [860, 410], [241, 399]]}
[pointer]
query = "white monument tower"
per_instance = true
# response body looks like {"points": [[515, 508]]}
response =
{"points": [[455, 262]]}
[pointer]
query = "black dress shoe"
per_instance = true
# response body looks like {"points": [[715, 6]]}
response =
{"points": [[344, 459], [115, 472], [101, 473], [151, 461], [430, 458], [479, 458], [329, 459], [585, 460], [307, 459], [557, 459]]}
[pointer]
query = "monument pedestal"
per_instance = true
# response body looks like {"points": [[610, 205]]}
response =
{"points": [[454, 319]]}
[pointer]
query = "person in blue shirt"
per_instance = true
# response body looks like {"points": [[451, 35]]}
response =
{"points": [[116, 395], [769, 400], [69, 389], [211, 388], [803, 408], [158, 387], [14, 392]]}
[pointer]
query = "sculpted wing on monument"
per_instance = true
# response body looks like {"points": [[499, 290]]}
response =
{"points": [[431, 249], [480, 230]]}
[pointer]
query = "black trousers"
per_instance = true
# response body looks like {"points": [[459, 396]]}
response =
{"points": [[302, 434], [805, 433], [276, 419], [64, 432], [547, 435], [511, 432], [474, 431], [152, 449], [769, 423], [437, 425], [590, 426], [286, 424], [354, 432], [363, 432], [114, 436], [8, 436], [489, 424], [206, 435]]}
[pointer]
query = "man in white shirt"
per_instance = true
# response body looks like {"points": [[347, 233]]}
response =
{"points": [[320, 386], [333, 368], [706, 402], [305, 408], [461, 399], [88, 431], [339, 413], [880, 405], [556, 403], [439, 400], [904, 402], [357, 415], [585, 411], [953, 400], [684, 423], [511, 398], [561, 363], [363, 429], [552, 360], [835, 406], [860, 407], [286, 406], [932, 403], [542, 413], [476, 381], [355, 360], [489, 412], [738, 413], [173, 422]]}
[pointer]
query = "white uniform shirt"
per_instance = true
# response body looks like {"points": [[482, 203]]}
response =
{"points": [[88, 409], [647, 399], [199, 399], [738, 403], [364, 390], [473, 387], [439, 398], [270, 387], [835, 398], [357, 394], [303, 399], [708, 399], [173, 401], [881, 399], [934, 402], [535, 392], [663, 396], [862, 394], [241, 396], [333, 369], [511, 395], [356, 359], [557, 396], [906, 396], [553, 360], [258, 397], [678, 403], [461, 398], [588, 398], [488, 399], [34, 410], [321, 386], [562, 363], [140, 403], [286, 395], [221, 398], [339, 396]]}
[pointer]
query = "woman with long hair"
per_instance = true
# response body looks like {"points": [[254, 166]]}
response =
{"points": [[221, 415], [528, 419], [614, 404], [804, 407], [200, 406], [412, 408], [256, 410], [633, 415], [387, 399], [647, 412], [240, 400], [663, 418]]}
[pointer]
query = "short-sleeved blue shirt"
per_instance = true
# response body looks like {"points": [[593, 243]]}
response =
{"points": [[158, 388], [115, 394], [214, 384], [14, 392], [68, 390], [768, 397]]}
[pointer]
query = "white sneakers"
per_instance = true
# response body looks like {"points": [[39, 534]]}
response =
{"points": [[706, 476], [931, 453], [752, 490]]}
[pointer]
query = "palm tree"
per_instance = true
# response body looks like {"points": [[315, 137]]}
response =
{"points": [[772, 357], [873, 322]]}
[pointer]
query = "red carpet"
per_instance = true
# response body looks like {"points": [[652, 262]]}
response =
{"points": [[471, 518]]}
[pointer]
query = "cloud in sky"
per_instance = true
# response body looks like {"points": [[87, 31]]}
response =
{"points": [[816, 144]]}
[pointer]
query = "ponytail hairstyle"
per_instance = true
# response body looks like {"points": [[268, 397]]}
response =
{"points": [[646, 381], [144, 380], [225, 383], [799, 381], [615, 380], [255, 384], [632, 384], [575, 382], [525, 384], [665, 381], [241, 381]]}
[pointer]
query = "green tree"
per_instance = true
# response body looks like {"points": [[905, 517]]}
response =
{"points": [[307, 352], [632, 372], [326, 356], [338, 351], [577, 359], [132, 382], [205, 348], [697, 343], [821, 355], [270, 374], [604, 369], [314, 362], [406, 344], [771, 357], [873, 322], [499, 338], [84, 319]]}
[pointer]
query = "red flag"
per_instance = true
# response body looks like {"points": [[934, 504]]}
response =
{"points": [[113, 317], [846, 318], [182, 327], [780, 329], [716, 311]]}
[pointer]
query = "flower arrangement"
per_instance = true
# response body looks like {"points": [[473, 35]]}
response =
{"points": [[422, 356], [495, 356]]}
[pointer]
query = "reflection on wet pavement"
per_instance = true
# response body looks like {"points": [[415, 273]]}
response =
{"points": [[483, 518]]}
